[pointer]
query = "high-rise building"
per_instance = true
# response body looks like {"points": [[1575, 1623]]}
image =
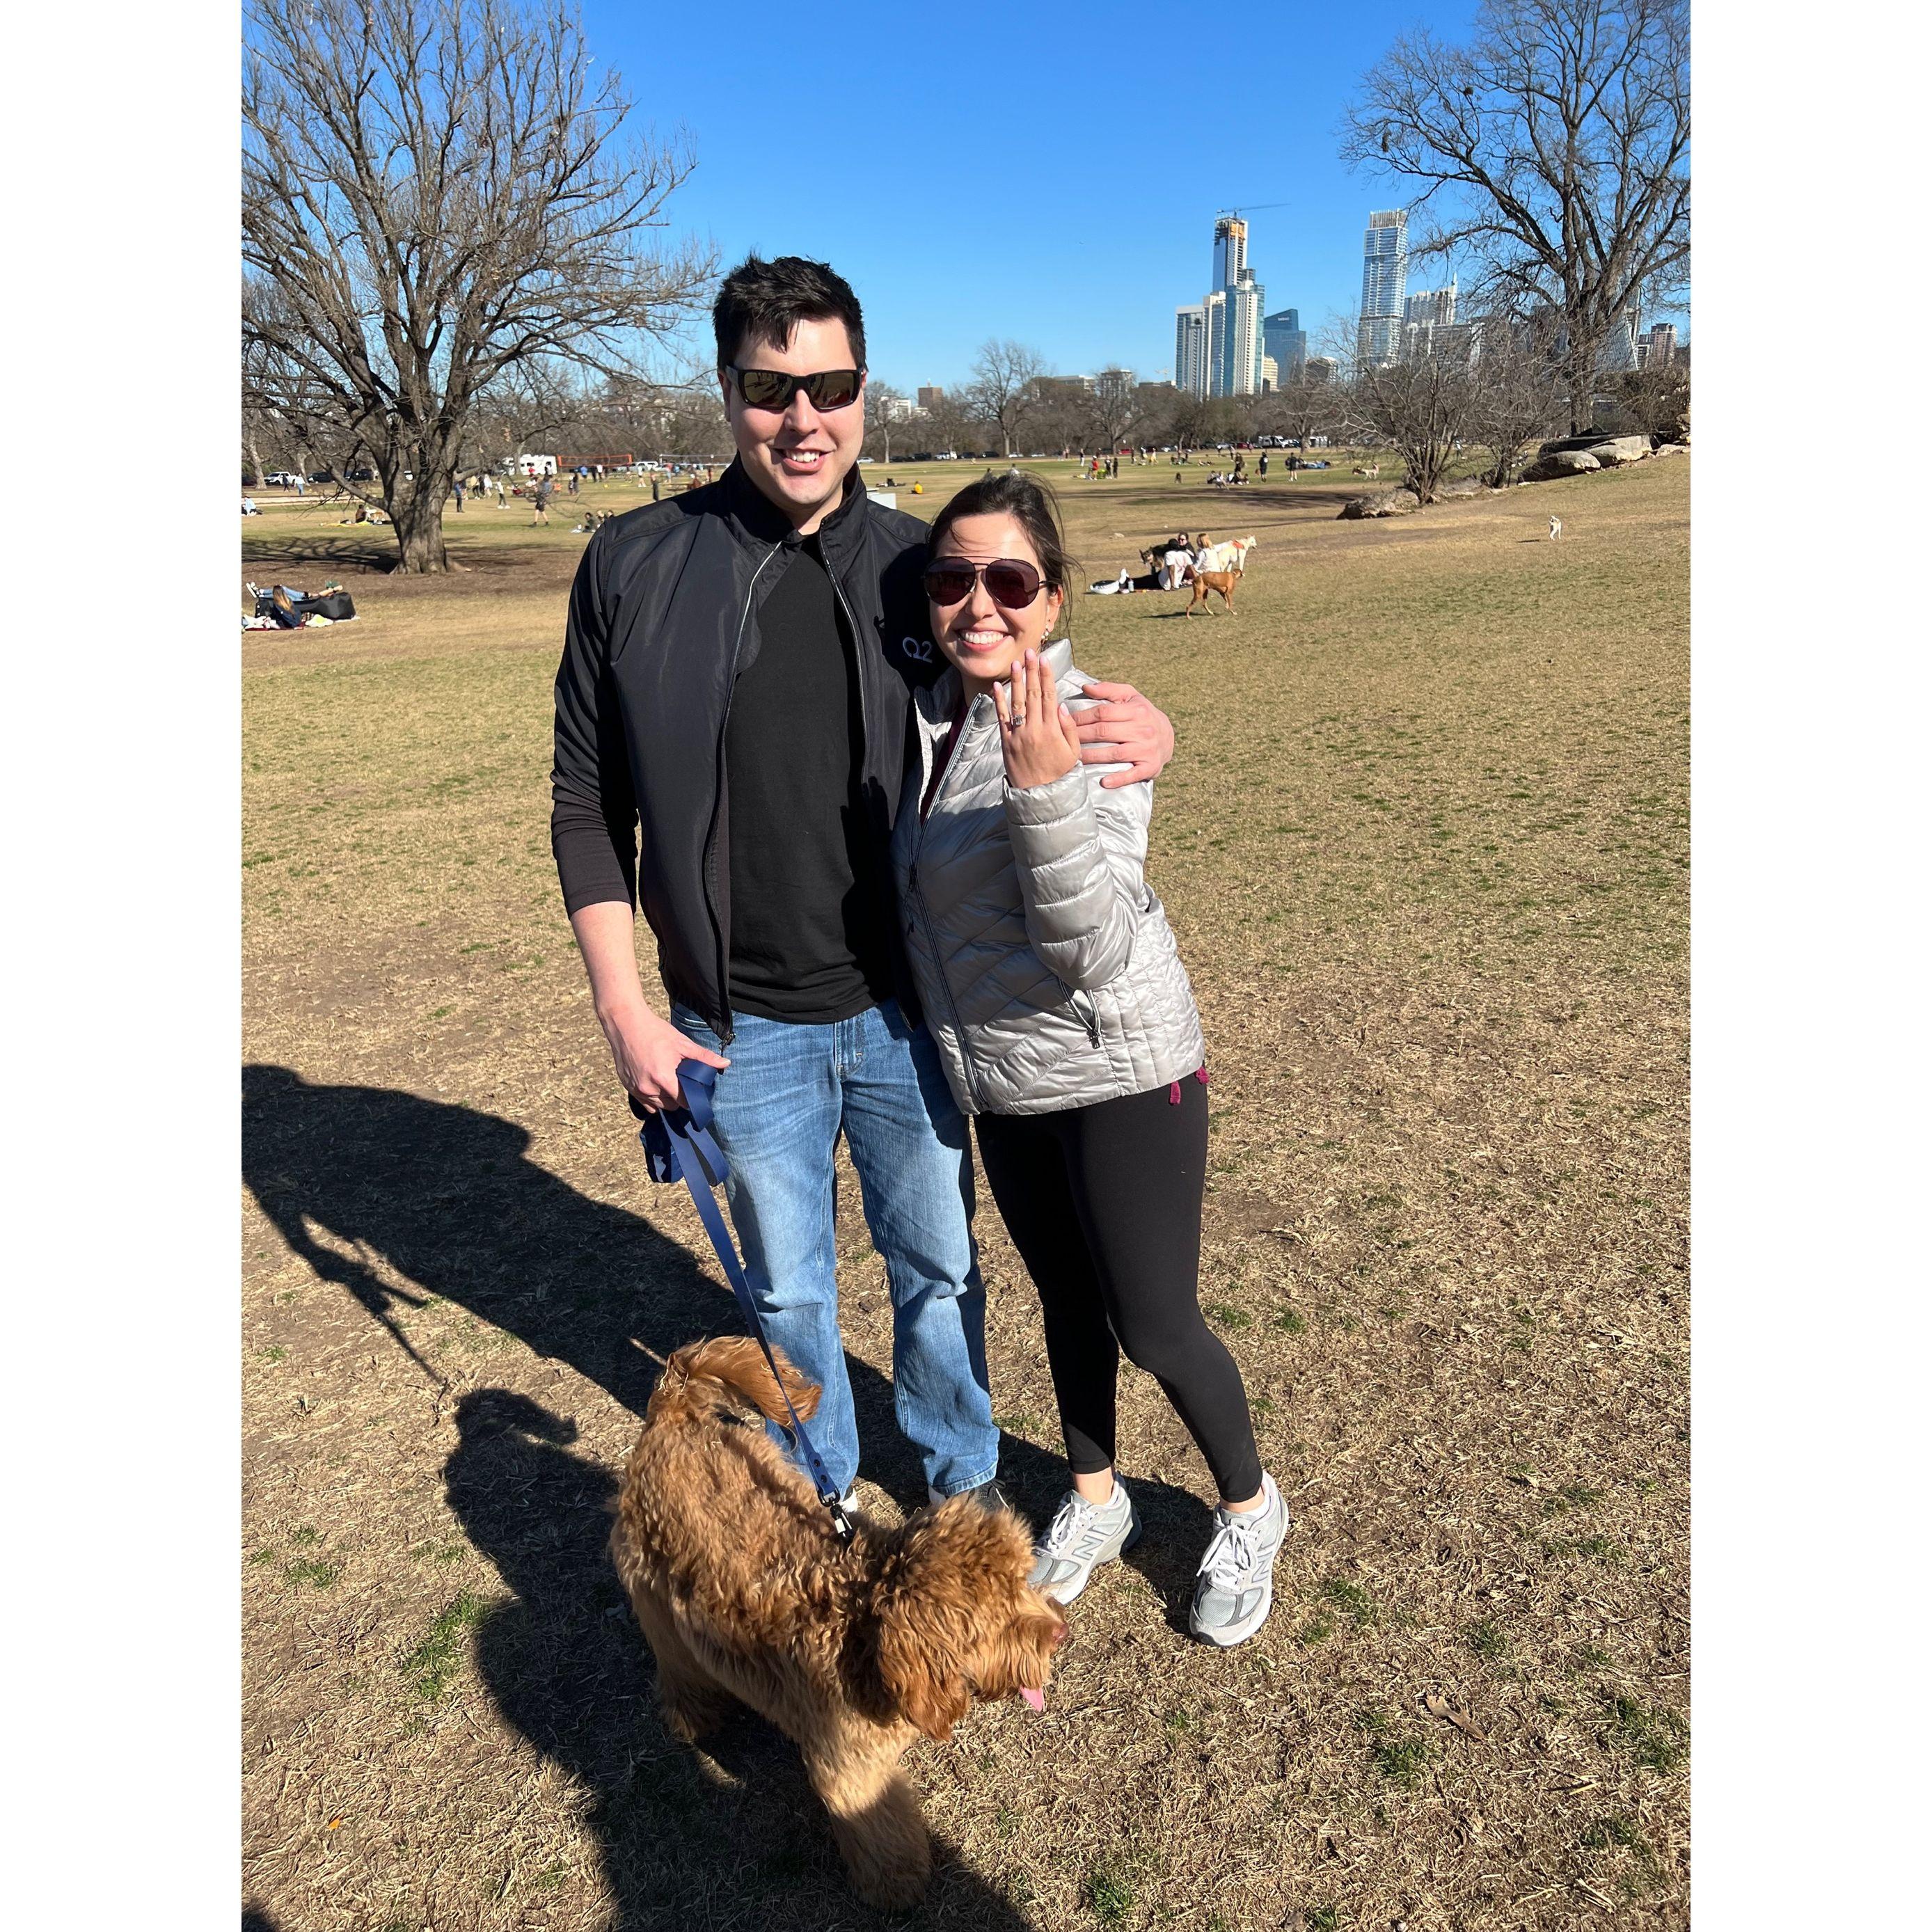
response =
{"points": [[931, 396], [1660, 345], [1284, 338], [1231, 250], [1385, 282], [1618, 355], [1426, 318], [1321, 368], [1270, 375], [1115, 383], [1215, 308], [1190, 349], [1241, 367]]}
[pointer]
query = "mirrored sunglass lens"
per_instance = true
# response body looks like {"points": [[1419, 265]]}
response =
{"points": [[1012, 584], [764, 388], [832, 388], [948, 586]]}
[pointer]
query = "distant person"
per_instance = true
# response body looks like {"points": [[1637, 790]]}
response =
{"points": [[248, 508], [540, 496], [656, 490], [503, 496], [459, 495], [573, 483], [301, 487], [1264, 466]]}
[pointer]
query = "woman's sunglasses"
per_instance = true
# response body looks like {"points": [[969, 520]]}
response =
{"points": [[773, 389], [1011, 582]]}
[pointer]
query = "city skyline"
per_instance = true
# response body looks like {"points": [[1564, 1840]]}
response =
{"points": [[1112, 237]]}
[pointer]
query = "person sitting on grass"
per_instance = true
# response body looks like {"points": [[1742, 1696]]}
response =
{"points": [[1068, 1030]]}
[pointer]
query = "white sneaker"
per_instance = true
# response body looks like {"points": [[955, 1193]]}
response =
{"points": [[1235, 1589], [1081, 1537]]}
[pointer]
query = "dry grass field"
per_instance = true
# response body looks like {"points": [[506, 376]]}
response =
{"points": [[1425, 847]]}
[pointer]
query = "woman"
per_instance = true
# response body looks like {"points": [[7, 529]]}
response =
{"points": [[1049, 979]]}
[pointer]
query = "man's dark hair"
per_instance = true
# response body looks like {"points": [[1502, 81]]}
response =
{"points": [[764, 301]]}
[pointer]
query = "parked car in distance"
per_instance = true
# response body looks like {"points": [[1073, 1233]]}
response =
{"points": [[282, 479]]}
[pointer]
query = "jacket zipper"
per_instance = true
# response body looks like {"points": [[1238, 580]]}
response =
{"points": [[924, 912], [711, 838], [1090, 1015]]}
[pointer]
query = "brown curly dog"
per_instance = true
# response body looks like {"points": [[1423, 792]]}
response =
{"points": [[744, 1592]]}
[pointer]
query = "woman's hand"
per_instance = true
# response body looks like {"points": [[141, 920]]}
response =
{"points": [[1036, 731]]}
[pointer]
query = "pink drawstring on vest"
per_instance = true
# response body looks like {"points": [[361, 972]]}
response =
{"points": [[1174, 1086]]}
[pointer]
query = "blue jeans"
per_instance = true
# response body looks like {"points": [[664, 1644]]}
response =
{"points": [[780, 1107]]}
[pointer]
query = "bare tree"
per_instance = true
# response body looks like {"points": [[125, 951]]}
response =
{"points": [[881, 424], [1002, 388], [1115, 412], [1521, 393], [1557, 141], [437, 203], [1421, 410], [1303, 407], [1654, 400]]}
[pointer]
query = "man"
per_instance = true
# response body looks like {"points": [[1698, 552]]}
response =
{"points": [[737, 676], [540, 496]]}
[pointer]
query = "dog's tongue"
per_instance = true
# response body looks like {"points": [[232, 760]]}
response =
{"points": [[1037, 1698]]}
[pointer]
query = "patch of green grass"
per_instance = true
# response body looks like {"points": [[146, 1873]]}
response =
{"points": [[1351, 1600], [1618, 1832], [274, 1352], [1571, 1495], [1290, 1322], [1658, 1740], [1486, 1641], [304, 1537], [1317, 1630], [261, 1556], [1227, 1315], [433, 1665], [1109, 1890], [1399, 1758], [1322, 1918], [313, 1571]]}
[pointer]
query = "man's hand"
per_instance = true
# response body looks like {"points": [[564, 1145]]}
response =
{"points": [[1123, 728], [646, 1051]]}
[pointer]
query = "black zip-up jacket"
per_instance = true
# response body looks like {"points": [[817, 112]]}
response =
{"points": [[662, 612]]}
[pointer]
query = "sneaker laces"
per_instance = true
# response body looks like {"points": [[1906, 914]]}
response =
{"points": [[1068, 1522], [1233, 1554]]}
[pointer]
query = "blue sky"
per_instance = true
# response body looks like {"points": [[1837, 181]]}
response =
{"points": [[1055, 180]]}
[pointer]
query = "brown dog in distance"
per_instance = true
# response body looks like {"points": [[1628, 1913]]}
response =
{"points": [[744, 1592], [1205, 581]]}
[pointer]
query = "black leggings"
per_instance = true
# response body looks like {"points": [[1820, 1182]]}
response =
{"points": [[1104, 1204]]}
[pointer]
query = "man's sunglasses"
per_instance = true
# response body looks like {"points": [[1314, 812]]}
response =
{"points": [[773, 389], [1011, 582]]}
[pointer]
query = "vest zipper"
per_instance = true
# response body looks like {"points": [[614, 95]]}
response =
{"points": [[924, 913], [711, 836]]}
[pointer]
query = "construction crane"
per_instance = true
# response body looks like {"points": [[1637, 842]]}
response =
{"points": [[1252, 207]]}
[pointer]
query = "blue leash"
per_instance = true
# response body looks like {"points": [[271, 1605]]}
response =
{"points": [[678, 1144]]}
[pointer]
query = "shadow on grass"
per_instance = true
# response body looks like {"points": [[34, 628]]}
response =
{"points": [[373, 555], [368, 1183]]}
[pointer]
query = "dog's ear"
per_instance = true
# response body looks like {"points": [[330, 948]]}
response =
{"points": [[924, 1686]]}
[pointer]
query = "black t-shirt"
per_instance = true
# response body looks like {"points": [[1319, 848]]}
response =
{"points": [[810, 939]]}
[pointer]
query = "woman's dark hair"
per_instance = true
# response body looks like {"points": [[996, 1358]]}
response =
{"points": [[764, 301], [1030, 503]]}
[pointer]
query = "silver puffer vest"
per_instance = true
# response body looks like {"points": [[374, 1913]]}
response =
{"points": [[1043, 960]]}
